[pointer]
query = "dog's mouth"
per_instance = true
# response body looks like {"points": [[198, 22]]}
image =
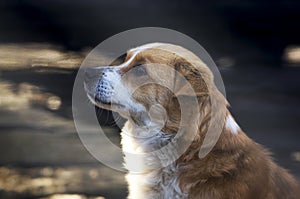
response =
{"points": [[101, 102], [108, 104]]}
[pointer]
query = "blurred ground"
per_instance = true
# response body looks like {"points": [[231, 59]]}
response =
{"points": [[255, 45]]}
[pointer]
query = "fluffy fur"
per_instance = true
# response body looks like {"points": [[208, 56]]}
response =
{"points": [[236, 167]]}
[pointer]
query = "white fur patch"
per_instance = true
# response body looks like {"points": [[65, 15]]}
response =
{"points": [[232, 125], [137, 51], [154, 181], [131, 59]]}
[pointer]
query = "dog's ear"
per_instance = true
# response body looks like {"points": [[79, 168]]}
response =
{"points": [[191, 80]]}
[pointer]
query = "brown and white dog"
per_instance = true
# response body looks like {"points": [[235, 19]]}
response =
{"points": [[235, 168]]}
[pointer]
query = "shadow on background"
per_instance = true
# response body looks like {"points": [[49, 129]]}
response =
{"points": [[255, 44]]}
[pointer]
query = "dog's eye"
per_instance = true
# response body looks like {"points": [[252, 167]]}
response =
{"points": [[119, 60], [140, 70]]}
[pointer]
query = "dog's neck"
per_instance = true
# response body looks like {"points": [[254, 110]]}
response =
{"points": [[137, 139], [230, 149]]}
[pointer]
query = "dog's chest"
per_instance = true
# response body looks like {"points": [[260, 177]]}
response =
{"points": [[152, 180], [158, 184]]}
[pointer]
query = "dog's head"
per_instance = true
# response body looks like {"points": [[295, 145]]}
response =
{"points": [[146, 86]]}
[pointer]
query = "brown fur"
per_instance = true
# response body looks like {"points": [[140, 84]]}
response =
{"points": [[237, 167]]}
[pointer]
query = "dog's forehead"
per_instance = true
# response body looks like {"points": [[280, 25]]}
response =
{"points": [[160, 52], [146, 51], [165, 54], [144, 47]]}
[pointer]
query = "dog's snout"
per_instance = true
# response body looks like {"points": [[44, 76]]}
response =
{"points": [[106, 71], [96, 73], [104, 74], [103, 81], [105, 87]]}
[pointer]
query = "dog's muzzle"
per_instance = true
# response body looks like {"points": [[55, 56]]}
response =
{"points": [[99, 83], [104, 89]]}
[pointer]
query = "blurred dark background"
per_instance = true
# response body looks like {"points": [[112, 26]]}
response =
{"points": [[255, 44]]}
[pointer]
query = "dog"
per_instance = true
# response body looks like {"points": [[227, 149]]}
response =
{"points": [[234, 168]]}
